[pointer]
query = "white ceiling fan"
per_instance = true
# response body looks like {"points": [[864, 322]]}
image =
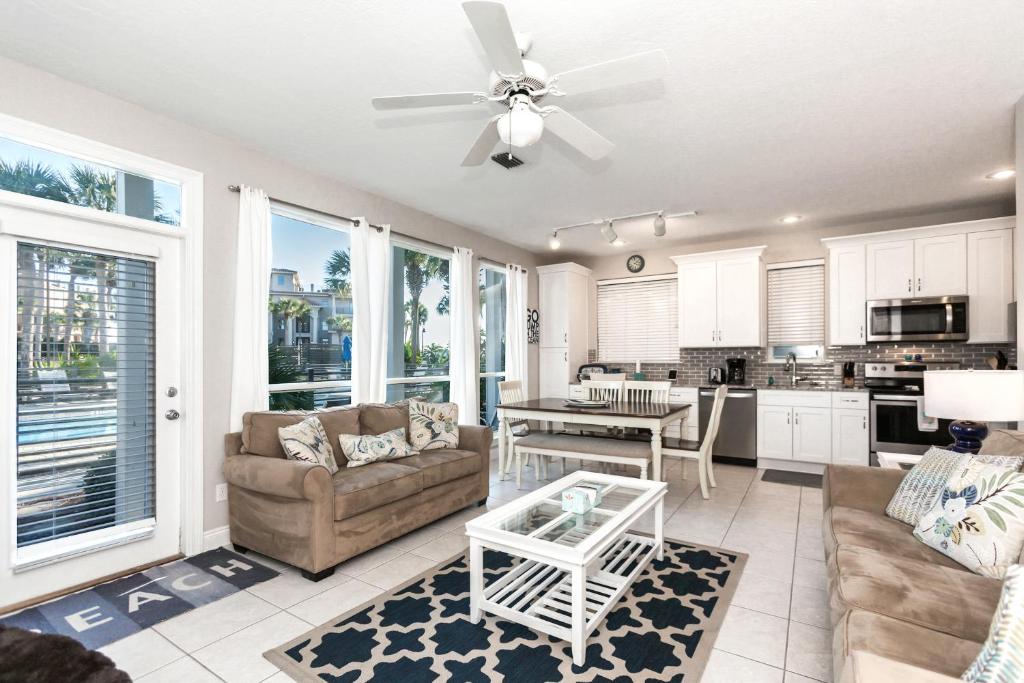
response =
{"points": [[520, 85]]}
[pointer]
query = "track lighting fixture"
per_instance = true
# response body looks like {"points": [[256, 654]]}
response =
{"points": [[609, 233], [554, 242], [659, 224]]}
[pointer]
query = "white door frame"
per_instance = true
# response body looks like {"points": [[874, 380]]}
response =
{"points": [[190, 233]]}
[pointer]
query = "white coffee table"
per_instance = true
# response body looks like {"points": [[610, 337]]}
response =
{"points": [[574, 567]]}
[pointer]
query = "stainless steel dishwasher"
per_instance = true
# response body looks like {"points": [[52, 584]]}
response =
{"points": [[737, 432]]}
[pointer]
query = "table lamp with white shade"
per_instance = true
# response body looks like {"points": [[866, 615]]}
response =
{"points": [[972, 398]]}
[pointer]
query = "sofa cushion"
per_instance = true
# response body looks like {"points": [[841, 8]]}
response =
{"points": [[360, 489], [938, 598], [377, 418], [861, 631], [1003, 442], [444, 464], [849, 526], [594, 445], [259, 429]]}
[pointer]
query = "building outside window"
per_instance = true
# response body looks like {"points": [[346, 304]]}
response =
{"points": [[491, 285], [420, 324], [310, 312]]}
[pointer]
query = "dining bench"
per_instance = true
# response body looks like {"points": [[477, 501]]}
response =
{"points": [[589, 448]]}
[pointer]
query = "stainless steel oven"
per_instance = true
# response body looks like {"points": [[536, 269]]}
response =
{"points": [[941, 318], [895, 390]]}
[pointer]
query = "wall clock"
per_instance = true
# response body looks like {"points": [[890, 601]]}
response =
{"points": [[635, 263]]}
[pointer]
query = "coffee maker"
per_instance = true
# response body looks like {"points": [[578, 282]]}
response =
{"points": [[737, 370]]}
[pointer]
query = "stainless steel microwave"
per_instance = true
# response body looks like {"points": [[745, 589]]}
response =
{"points": [[940, 318]]}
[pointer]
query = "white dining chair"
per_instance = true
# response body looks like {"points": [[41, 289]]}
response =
{"points": [[702, 454], [603, 390], [511, 391], [646, 391]]}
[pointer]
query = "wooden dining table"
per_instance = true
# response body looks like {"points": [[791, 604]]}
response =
{"points": [[639, 414]]}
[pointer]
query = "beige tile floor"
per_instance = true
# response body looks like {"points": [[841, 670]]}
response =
{"points": [[776, 630]]}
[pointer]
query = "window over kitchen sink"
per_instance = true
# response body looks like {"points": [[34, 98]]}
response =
{"points": [[796, 310]]}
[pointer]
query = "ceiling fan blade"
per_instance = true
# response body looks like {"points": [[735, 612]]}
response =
{"points": [[481, 149], [644, 66], [578, 134], [490, 21], [442, 99]]}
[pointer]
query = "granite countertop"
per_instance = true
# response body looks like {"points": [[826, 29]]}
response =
{"points": [[828, 386]]}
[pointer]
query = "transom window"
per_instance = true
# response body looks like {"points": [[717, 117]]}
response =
{"points": [[37, 172]]}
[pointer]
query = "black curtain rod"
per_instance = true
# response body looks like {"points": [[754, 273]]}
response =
{"points": [[353, 221]]}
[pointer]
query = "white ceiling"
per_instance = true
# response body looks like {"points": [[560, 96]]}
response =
{"points": [[824, 109]]}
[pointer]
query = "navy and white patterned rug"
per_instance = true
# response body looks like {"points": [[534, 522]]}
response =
{"points": [[111, 611], [662, 629]]}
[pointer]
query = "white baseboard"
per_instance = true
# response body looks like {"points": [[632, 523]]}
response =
{"points": [[790, 466], [215, 538]]}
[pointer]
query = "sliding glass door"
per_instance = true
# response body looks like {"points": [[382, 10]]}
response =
{"points": [[91, 391]]}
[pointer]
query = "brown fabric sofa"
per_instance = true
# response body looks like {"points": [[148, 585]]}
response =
{"points": [[897, 605], [299, 514]]}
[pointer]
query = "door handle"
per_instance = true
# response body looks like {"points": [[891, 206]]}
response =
{"points": [[787, 418], [919, 284], [172, 414], [796, 418], [565, 337], [864, 424], [910, 284]]}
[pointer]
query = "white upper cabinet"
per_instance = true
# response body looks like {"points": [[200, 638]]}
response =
{"points": [[740, 304], [554, 309], [721, 298], [940, 265], [890, 270], [989, 284], [847, 297], [698, 314]]}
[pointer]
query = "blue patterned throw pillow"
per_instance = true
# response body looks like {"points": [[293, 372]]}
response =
{"points": [[307, 441], [362, 450], [1001, 660]]}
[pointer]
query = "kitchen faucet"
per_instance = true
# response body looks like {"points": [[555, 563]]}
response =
{"points": [[790, 367]]}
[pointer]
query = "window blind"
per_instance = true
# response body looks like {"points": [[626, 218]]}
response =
{"points": [[85, 392], [796, 305], [637, 321]]}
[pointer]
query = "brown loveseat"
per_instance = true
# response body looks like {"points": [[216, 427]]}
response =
{"points": [[901, 612], [298, 513]]}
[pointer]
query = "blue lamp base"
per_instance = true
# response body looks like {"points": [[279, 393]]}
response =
{"points": [[967, 435]]}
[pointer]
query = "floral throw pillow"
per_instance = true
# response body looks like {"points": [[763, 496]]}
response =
{"points": [[978, 518], [433, 425], [362, 450], [1001, 659], [307, 441]]}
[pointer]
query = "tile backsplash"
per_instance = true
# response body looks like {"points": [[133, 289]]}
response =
{"points": [[694, 363]]}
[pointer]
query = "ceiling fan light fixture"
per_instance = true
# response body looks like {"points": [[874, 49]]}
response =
{"points": [[520, 126], [659, 224], [554, 242]]}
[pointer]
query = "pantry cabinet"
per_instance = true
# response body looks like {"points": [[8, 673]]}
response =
{"points": [[564, 297], [721, 298]]}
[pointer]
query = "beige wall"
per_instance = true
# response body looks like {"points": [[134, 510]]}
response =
{"points": [[42, 98]]}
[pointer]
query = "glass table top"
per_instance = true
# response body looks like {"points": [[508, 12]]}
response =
{"points": [[545, 520]]}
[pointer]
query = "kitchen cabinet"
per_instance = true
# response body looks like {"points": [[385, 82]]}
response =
{"points": [[775, 432], [721, 298], [847, 296], [989, 285], [940, 265], [890, 270], [812, 434], [927, 266], [564, 295], [851, 442]]}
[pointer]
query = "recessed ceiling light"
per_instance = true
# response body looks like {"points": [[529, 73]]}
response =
{"points": [[1003, 174], [791, 219]]}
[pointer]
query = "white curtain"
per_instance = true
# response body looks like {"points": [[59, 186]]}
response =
{"points": [[249, 369], [515, 326], [371, 292], [464, 358]]}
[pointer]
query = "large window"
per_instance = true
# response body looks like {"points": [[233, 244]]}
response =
{"points": [[491, 284], [310, 312], [796, 310], [38, 172], [420, 332], [636, 320]]}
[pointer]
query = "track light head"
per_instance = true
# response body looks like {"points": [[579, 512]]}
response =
{"points": [[554, 242], [659, 224], [609, 233]]}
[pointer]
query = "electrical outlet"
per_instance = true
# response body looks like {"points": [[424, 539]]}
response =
{"points": [[221, 492], [837, 369]]}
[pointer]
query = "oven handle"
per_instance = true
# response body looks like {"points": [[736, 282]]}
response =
{"points": [[891, 399]]}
